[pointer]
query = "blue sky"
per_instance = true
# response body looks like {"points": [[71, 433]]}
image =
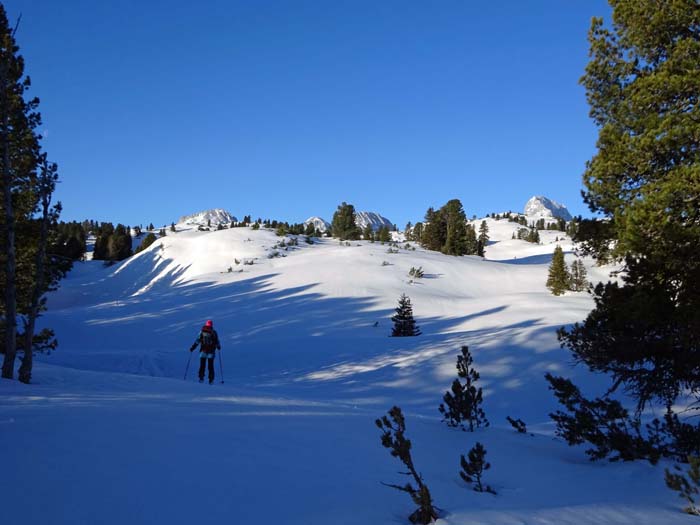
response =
{"points": [[283, 109]]}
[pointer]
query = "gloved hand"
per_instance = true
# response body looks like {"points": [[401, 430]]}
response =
{"points": [[192, 348]]}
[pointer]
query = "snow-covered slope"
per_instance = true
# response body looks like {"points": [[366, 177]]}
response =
{"points": [[290, 436], [375, 220], [318, 223], [542, 207], [216, 216]]}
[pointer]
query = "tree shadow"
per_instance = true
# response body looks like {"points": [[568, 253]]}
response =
{"points": [[544, 258]]}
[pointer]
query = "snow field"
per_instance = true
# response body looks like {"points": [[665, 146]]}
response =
{"points": [[112, 434]]}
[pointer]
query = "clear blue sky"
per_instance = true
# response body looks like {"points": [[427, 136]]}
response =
{"points": [[283, 109]]}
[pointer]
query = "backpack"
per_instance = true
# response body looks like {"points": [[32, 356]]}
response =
{"points": [[208, 341]]}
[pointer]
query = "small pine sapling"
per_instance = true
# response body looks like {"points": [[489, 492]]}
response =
{"points": [[687, 488], [416, 273], [473, 468], [463, 404], [393, 429], [518, 425], [404, 323]]}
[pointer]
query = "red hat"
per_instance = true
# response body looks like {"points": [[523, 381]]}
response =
{"points": [[209, 323]]}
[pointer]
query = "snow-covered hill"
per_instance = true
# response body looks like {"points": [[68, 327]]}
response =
{"points": [[215, 217], [290, 436], [540, 207], [375, 220]]}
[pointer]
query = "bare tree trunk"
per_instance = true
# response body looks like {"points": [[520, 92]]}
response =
{"points": [[11, 264]]}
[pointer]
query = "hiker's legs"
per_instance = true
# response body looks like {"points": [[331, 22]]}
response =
{"points": [[211, 369], [202, 365]]}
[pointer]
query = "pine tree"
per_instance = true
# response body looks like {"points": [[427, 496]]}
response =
{"points": [[472, 244], [578, 276], [404, 324], [149, 239], [641, 84], [456, 224], [343, 224], [434, 231], [558, 280], [473, 468], [393, 429], [46, 184], [119, 244], [368, 233], [483, 238], [463, 404], [384, 234], [418, 232], [27, 182]]}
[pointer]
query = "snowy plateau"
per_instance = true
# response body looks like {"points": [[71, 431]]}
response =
{"points": [[111, 433]]}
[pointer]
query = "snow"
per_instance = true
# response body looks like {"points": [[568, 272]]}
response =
{"points": [[373, 219], [320, 224], [216, 216], [540, 207], [110, 433]]}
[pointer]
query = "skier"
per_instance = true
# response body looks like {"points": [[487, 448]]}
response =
{"points": [[208, 340]]}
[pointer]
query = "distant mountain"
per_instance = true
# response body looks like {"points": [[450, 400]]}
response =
{"points": [[376, 221], [542, 207], [319, 224], [216, 216]]}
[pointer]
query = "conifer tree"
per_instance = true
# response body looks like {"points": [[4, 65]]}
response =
{"points": [[456, 228], [343, 224], [472, 246], [368, 233], [26, 181], [149, 239], [578, 276], [393, 430], [558, 280], [404, 323], [384, 234], [462, 405], [418, 232], [45, 186], [473, 468], [641, 84], [434, 230], [483, 238]]}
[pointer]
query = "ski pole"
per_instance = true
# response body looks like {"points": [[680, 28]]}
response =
{"points": [[221, 367], [188, 366]]}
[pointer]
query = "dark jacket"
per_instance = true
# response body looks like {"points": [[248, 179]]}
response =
{"points": [[208, 340]]}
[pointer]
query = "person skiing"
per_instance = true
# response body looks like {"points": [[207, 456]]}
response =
{"points": [[208, 340]]}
